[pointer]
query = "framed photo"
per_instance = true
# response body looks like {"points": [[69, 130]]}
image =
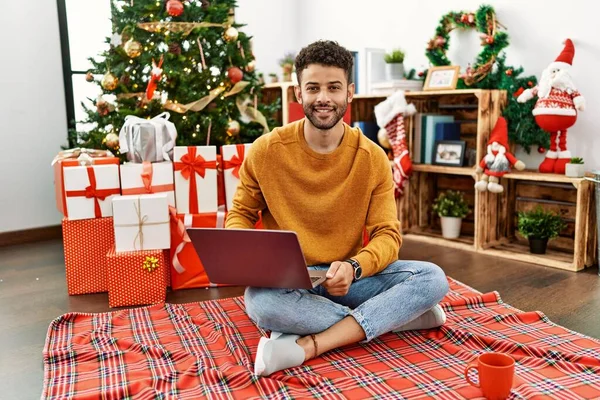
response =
{"points": [[442, 78], [450, 153]]}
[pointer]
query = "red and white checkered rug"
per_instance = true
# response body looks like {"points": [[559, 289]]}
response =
{"points": [[206, 350]]}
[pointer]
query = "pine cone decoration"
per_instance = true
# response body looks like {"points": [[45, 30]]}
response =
{"points": [[125, 79], [175, 48], [205, 4]]}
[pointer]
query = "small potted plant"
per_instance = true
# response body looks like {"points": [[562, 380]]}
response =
{"points": [[394, 65], [575, 168], [539, 226], [287, 64], [273, 77], [451, 208]]}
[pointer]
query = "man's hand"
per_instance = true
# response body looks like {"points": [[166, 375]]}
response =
{"points": [[339, 277]]}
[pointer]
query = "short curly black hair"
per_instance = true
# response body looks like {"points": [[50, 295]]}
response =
{"points": [[325, 52]]}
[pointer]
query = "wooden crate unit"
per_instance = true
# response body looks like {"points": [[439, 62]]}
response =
{"points": [[573, 250]]}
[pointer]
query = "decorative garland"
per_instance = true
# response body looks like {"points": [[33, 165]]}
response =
{"points": [[493, 41], [491, 72]]}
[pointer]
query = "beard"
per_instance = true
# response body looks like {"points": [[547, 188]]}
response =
{"points": [[336, 113], [561, 80]]}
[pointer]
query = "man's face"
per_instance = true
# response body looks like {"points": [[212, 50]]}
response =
{"points": [[324, 94]]}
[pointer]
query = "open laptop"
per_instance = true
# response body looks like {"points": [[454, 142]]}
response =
{"points": [[254, 257]]}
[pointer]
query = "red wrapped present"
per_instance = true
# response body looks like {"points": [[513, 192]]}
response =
{"points": [[86, 243], [187, 270], [136, 277], [97, 194]]}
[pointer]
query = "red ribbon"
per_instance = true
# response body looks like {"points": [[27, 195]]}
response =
{"points": [[236, 161], [190, 165], [148, 188], [91, 192]]}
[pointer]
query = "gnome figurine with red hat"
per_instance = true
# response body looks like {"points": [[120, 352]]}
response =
{"points": [[556, 108], [497, 161]]}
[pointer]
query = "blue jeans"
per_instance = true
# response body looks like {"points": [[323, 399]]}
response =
{"points": [[380, 303]]}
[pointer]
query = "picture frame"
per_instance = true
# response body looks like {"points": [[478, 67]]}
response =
{"points": [[450, 153], [442, 78]]}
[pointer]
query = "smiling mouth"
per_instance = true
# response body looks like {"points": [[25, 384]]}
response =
{"points": [[323, 110]]}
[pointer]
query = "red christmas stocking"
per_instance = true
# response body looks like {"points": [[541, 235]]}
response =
{"points": [[402, 162]]}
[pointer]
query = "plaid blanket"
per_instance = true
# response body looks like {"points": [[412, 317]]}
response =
{"points": [[206, 350]]}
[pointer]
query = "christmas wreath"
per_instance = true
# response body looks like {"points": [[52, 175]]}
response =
{"points": [[492, 40], [490, 70]]}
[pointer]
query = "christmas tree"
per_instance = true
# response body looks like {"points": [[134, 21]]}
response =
{"points": [[188, 58]]}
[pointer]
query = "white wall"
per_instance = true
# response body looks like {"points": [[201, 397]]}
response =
{"points": [[536, 30], [275, 27], [33, 113]]}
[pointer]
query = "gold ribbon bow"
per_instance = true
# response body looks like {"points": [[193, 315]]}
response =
{"points": [[150, 264]]}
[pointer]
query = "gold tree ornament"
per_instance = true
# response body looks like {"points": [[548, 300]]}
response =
{"points": [[111, 141], [231, 34], [109, 81], [133, 48], [251, 66], [233, 128]]}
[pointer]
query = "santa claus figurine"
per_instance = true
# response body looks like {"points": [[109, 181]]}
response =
{"points": [[556, 108], [497, 161]]}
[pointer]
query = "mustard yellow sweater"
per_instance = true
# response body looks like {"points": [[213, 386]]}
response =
{"points": [[327, 199]]}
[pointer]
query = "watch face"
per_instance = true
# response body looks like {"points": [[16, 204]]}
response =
{"points": [[357, 272]]}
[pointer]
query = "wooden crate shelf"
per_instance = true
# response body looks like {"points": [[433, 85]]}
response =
{"points": [[442, 169]]}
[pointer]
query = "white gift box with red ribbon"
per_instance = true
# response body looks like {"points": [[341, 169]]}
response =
{"points": [[148, 178], [195, 179], [233, 157], [141, 222], [89, 190]]}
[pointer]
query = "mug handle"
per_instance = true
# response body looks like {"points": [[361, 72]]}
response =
{"points": [[472, 365]]}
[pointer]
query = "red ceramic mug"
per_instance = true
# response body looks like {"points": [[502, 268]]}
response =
{"points": [[496, 374]]}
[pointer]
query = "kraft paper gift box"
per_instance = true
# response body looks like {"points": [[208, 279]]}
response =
{"points": [[187, 270], [141, 222], [149, 140], [136, 278], [195, 179], [79, 158], [148, 178], [86, 243], [233, 157]]}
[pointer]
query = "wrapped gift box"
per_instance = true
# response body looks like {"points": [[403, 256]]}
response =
{"points": [[86, 243], [136, 277], [187, 270], [196, 179], [141, 222], [62, 164], [149, 140], [147, 178], [89, 190], [233, 157]]}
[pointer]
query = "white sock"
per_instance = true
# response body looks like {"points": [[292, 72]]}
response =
{"points": [[432, 318], [277, 353]]}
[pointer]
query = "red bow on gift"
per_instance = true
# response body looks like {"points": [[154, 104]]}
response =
{"points": [[190, 165], [147, 182], [236, 161], [91, 192]]}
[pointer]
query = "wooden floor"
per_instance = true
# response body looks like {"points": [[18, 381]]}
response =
{"points": [[33, 293]]}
